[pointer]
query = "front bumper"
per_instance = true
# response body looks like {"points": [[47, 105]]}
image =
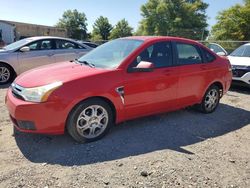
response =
{"points": [[242, 77], [42, 118]]}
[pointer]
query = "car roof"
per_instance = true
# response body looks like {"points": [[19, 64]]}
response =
{"points": [[49, 37], [53, 37], [153, 38]]}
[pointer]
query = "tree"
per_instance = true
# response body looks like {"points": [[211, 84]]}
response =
{"points": [[233, 23], [102, 28], [122, 29], [75, 23], [186, 18]]}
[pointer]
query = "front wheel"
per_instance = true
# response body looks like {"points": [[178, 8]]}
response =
{"points": [[90, 120], [211, 100]]}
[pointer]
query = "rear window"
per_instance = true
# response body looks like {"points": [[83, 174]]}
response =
{"points": [[188, 54], [209, 57], [64, 44]]}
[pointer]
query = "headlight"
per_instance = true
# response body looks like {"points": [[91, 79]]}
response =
{"points": [[36, 94]]}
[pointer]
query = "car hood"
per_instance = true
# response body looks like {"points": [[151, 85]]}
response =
{"points": [[244, 61], [2, 51], [64, 72]]}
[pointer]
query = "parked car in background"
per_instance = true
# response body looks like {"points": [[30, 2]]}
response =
{"points": [[120, 80], [240, 61], [89, 44], [218, 49], [33, 52]]}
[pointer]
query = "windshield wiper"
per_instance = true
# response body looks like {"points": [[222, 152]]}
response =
{"points": [[85, 63]]}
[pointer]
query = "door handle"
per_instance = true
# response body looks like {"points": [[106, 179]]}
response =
{"points": [[167, 72], [204, 67]]}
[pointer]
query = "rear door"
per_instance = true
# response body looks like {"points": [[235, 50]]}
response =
{"points": [[156, 91], [68, 50], [41, 53], [82, 50], [192, 72]]}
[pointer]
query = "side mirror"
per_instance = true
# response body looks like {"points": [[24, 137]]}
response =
{"points": [[25, 49], [143, 66], [221, 53]]}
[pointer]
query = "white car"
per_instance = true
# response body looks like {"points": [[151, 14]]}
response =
{"points": [[240, 61], [218, 49], [33, 52]]}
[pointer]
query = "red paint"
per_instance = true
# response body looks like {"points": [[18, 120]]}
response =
{"points": [[146, 93]]}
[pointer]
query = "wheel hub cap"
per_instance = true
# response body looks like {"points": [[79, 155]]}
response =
{"points": [[211, 99], [92, 121]]}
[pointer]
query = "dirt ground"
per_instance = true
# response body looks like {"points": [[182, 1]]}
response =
{"points": [[178, 149]]}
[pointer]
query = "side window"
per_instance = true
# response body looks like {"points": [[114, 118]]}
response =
{"points": [[41, 45], [80, 47], [188, 54], [209, 57], [34, 46], [160, 54], [216, 48], [64, 44], [46, 45]]}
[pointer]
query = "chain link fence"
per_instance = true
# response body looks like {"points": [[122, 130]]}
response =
{"points": [[229, 46]]}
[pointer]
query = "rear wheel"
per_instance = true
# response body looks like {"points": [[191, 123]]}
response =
{"points": [[211, 100], [7, 75], [90, 120]]}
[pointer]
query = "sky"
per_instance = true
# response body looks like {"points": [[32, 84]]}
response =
{"points": [[48, 12]]}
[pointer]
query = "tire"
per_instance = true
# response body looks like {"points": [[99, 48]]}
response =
{"points": [[90, 120], [210, 100], [7, 74]]}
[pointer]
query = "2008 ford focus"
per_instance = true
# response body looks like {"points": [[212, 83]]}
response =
{"points": [[123, 79]]}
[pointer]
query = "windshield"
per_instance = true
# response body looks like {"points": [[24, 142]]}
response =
{"points": [[16, 44], [242, 51], [111, 54]]}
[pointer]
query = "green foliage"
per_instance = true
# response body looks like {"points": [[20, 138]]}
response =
{"points": [[75, 23], [101, 29], [233, 23], [186, 18], [121, 29]]}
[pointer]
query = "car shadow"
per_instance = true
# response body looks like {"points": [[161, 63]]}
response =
{"points": [[169, 131], [240, 89]]}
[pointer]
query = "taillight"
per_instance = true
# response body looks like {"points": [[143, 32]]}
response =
{"points": [[229, 66]]}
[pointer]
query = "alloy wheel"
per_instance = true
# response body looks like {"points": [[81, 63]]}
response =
{"points": [[211, 100], [4, 74], [92, 121]]}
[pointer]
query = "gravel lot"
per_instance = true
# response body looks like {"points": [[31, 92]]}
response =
{"points": [[178, 149]]}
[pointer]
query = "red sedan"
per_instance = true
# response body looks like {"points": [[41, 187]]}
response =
{"points": [[123, 79]]}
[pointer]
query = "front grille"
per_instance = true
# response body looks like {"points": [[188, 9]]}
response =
{"points": [[239, 73]]}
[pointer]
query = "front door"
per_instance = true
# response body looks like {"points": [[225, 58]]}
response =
{"points": [[41, 53], [152, 92]]}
